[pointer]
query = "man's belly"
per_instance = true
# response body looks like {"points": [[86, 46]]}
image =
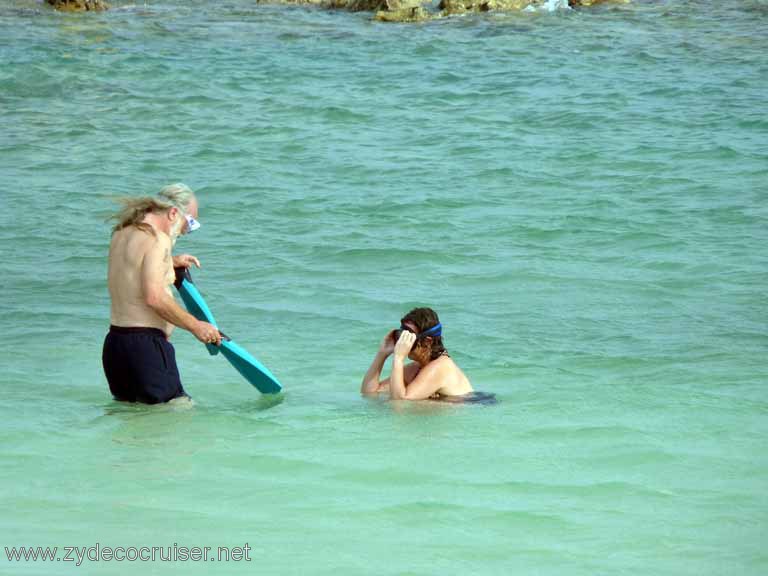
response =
{"points": [[139, 317]]}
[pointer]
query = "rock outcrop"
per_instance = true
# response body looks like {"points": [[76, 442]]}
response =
{"points": [[579, 3], [383, 10], [451, 7], [79, 5], [404, 14], [419, 10]]}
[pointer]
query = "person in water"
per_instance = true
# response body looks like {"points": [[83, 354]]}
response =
{"points": [[432, 374], [139, 361]]}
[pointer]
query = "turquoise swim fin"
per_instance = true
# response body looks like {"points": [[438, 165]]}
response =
{"points": [[250, 368], [194, 301]]}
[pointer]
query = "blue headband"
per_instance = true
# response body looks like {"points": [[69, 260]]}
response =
{"points": [[436, 330]]}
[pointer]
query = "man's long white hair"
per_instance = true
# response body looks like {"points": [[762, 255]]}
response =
{"points": [[133, 210]]}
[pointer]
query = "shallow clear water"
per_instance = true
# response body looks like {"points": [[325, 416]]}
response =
{"points": [[582, 196]]}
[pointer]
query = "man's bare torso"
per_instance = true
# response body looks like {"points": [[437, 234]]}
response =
{"points": [[127, 251]]}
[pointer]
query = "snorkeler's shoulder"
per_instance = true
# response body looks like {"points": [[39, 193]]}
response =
{"points": [[455, 378], [446, 363], [438, 367]]}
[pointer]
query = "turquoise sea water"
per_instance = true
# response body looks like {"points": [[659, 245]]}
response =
{"points": [[582, 196]]}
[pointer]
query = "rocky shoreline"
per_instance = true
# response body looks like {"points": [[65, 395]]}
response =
{"points": [[386, 10], [79, 5]]}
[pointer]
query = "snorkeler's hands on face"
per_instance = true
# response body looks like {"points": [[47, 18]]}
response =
{"points": [[404, 344], [388, 344]]}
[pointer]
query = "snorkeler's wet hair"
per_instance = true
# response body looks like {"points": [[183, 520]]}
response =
{"points": [[424, 319], [133, 210]]}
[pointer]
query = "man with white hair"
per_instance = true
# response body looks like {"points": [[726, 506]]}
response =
{"points": [[139, 361]]}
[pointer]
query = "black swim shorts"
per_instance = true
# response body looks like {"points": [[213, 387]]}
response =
{"points": [[140, 365]]}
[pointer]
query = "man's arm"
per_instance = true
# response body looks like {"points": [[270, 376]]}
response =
{"points": [[428, 381], [423, 385], [371, 384], [409, 373], [185, 261], [154, 275]]}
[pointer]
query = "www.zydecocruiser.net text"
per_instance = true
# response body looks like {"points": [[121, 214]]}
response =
{"points": [[99, 553]]}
